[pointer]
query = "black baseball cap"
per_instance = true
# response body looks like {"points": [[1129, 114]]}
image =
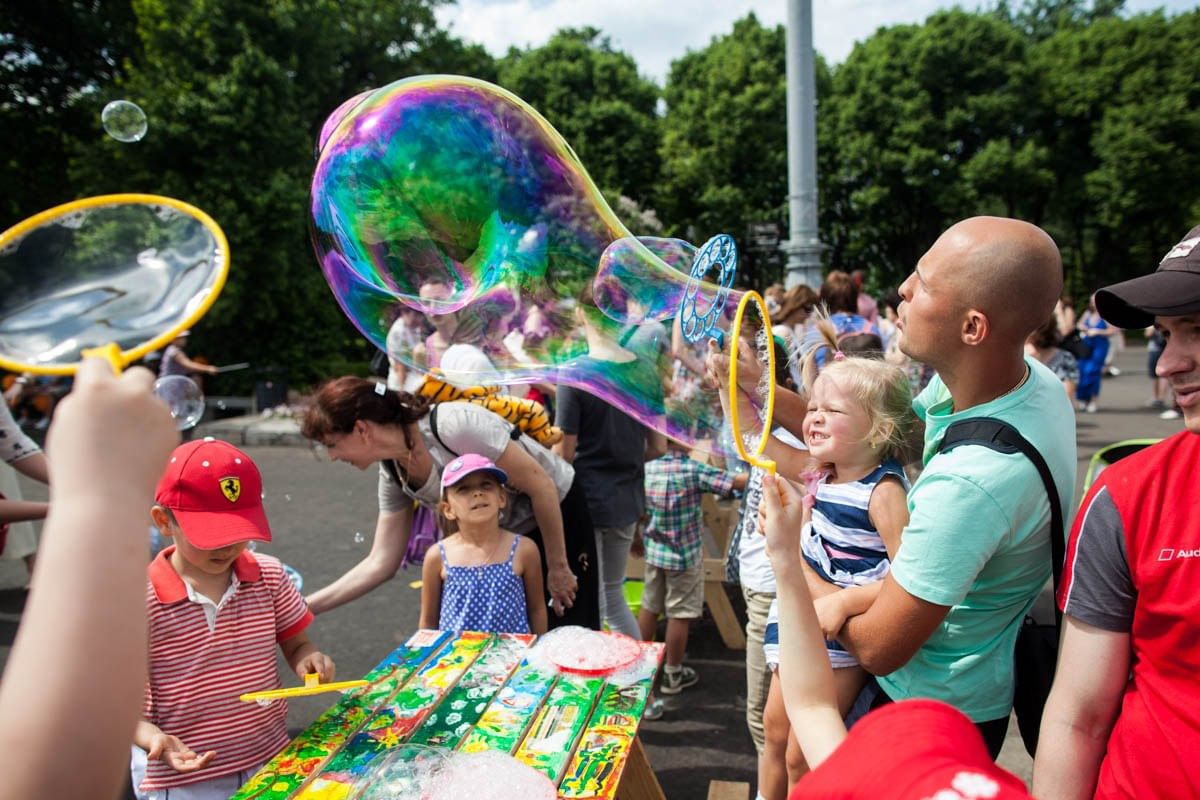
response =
{"points": [[1171, 291]]}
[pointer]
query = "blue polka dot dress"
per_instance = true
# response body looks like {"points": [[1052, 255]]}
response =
{"points": [[490, 597]]}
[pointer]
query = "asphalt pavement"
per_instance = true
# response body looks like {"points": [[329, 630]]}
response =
{"points": [[323, 515]]}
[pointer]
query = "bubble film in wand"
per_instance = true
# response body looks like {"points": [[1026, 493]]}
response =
{"points": [[449, 201]]}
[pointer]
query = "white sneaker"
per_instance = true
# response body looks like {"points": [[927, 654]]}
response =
{"points": [[1091, 408], [1170, 413]]}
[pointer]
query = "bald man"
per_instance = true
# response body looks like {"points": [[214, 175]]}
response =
{"points": [[976, 551]]}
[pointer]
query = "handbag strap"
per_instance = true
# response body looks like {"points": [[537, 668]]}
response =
{"points": [[998, 435]]}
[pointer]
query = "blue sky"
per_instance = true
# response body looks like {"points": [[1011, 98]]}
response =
{"points": [[655, 32]]}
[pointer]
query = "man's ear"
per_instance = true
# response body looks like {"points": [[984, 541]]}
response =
{"points": [[976, 327]]}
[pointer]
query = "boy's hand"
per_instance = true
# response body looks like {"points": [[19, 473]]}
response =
{"points": [[317, 662], [177, 755], [831, 614], [638, 546]]}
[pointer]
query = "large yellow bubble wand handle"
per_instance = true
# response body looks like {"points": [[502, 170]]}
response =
{"points": [[754, 458]]}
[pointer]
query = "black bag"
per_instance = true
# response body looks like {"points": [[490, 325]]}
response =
{"points": [[1073, 343], [1036, 652], [379, 364]]}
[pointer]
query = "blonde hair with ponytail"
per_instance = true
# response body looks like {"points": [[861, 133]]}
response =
{"points": [[880, 388]]}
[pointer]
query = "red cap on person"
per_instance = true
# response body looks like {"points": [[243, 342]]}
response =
{"points": [[215, 492], [912, 750]]}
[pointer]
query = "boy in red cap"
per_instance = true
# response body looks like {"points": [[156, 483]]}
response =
{"points": [[216, 612]]}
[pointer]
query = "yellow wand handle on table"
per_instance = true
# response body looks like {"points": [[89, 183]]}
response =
{"points": [[754, 458], [312, 685]]}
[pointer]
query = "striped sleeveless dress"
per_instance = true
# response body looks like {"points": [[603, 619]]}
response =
{"points": [[842, 546]]}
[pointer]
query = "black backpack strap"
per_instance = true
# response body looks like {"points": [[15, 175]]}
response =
{"points": [[1002, 437], [433, 429]]}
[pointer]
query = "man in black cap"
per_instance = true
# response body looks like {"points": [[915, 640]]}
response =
{"points": [[1123, 718]]}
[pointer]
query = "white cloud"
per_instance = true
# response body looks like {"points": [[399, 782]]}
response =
{"points": [[656, 32]]}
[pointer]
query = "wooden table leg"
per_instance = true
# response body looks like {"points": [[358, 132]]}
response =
{"points": [[728, 624], [638, 781]]}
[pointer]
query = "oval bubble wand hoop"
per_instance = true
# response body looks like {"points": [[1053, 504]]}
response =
{"points": [[756, 457], [115, 276]]}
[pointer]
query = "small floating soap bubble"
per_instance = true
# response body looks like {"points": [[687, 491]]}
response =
{"points": [[124, 121], [183, 398], [359, 538]]}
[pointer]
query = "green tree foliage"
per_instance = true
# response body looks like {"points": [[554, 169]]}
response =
{"points": [[926, 125], [1118, 111], [725, 138], [53, 55], [593, 95]]}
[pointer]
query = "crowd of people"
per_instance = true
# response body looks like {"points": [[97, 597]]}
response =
{"points": [[886, 577]]}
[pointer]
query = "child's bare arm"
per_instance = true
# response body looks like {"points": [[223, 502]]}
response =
{"points": [[835, 608], [304, 658], [805, 675], [34, 466], [160, 745], [22, 510], [86, 612], [888, 510], [431, 589], [529, 567]]}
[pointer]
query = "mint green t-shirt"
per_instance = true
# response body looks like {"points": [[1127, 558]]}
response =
{"points": [[978, 541]]}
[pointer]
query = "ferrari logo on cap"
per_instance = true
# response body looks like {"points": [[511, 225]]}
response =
{"points": [[231, 488]]}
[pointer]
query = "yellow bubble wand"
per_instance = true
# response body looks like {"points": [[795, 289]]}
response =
{"points": [[72, 214], [312, 685], [754, 458]]}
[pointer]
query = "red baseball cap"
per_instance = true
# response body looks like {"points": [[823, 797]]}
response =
{"points": [[911, 750], [215, 492]]}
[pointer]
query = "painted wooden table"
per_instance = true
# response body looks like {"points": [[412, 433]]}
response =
{"points": [[472, 692]]}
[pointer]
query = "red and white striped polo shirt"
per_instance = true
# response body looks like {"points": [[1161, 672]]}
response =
{"points": [[197, 674]]}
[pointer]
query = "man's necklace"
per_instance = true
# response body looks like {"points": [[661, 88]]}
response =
{"points": [[954, 409], [1020, 383]]}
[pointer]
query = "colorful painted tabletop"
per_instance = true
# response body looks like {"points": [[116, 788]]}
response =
{"points": [[471, 692]]}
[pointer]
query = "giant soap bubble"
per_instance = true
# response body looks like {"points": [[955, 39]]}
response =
{"points": [[450, 201]]}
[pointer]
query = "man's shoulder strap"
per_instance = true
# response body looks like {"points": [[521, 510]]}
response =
{"points": [[998, 435]]}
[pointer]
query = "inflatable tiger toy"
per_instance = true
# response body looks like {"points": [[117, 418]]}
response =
{"points": [[530, 416]]}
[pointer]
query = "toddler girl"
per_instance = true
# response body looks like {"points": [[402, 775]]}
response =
{"points": [[480, 578], [859, 416]]}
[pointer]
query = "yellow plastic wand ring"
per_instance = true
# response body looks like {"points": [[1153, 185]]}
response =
{"points": [[754, 458]]}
